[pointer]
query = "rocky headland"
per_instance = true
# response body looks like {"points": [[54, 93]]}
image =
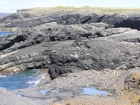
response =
{"points": [[77, 49]]}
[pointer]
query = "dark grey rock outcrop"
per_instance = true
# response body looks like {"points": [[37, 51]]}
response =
{"points": [[97, 54], [16, 17], [66, 42], [30, 57], [84, 54], [47, 45], [23, 20], [54, 32], [129, 36], [49, 32]]}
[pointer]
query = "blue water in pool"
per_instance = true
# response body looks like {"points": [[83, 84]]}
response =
{"points": [[5, 33], [94, 91], [20, 80]]}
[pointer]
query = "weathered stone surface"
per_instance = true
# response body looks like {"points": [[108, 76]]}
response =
{"points": [[71, 42], [129, 36], [98, 54], [30, 57], [47, 40], [16, 17], [10, 98], [132, 81], [54, 32], [130, 20], [83, 54], [49, 32]]}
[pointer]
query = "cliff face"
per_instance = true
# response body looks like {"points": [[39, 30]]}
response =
{"points": [[70, 41]]}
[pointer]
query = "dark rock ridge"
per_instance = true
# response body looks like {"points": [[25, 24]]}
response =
{"points": [[16, 17], [27, 19], [68, 42], [54, 32], [84, 54], [96, 54], [50, 32]]}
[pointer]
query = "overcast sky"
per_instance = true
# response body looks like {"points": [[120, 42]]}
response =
{"points": [[13, 5]]}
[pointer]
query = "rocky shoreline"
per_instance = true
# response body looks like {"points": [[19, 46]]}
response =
{"points": [[77, 49], [122, 85]]}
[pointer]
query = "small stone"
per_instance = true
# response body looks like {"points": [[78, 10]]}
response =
{"points": [[109, 95]]}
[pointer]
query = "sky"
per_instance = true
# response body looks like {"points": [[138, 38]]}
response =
{"points": [[10, 6]]}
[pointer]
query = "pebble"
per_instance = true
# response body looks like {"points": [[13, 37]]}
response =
{"points": [[109, 95]]}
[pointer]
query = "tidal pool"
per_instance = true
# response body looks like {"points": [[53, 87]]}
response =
{"points": [[5, 33], [94, 91], [45, 91]]}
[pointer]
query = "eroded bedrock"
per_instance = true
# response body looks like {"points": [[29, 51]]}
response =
{"points": [[65, 42], [72, 56], [28, 19], [79, 50], [10, 98]]}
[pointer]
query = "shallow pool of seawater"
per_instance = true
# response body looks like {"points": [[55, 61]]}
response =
{"points": [[85, 90], [5, 33], [23, 79], [94, 91], [46, 91]]}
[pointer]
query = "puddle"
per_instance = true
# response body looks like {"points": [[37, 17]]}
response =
{"points": [[54, 91], [94, 91], [5, 33], [85, 90], [45, 91], [19, 95]]}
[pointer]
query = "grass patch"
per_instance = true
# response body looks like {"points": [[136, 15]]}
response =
{"points": [[44, 10]]}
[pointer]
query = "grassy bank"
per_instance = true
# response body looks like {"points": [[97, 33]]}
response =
{"points": [[44, 10]]}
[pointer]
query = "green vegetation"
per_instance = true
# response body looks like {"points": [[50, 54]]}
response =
{"points": [[44, 10]]}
